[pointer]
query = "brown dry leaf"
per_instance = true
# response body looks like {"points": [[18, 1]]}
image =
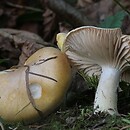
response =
{"points": [[1, 12], [20, 37], [84, 3], [30, 26], [64, 27], [49, 24], [98, 11], [126, 21], [27, 50], [8, 52], [10, 13], [125, 3], [27, 42]]}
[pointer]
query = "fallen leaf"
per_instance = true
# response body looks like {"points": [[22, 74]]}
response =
{"points": [[49, 24], [26, 41]]}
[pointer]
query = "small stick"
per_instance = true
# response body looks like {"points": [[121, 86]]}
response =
{"points": [[43, 76], [23, 7], [117, 1], [45, 60], [2, 127], [126, 127], [29, 92]]}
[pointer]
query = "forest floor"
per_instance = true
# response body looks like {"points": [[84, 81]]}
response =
{"points": [[46, 19]]}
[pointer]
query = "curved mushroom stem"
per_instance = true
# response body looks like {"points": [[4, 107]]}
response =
{"points": [[106, 94]]}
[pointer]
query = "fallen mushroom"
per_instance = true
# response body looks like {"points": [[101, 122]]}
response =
{"points": [[35, 89], [104, 52]]}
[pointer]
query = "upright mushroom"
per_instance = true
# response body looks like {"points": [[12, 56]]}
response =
{"points": [[103, 52], [35, 89]]}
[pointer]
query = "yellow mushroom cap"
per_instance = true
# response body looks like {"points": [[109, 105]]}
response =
{"points": [[60, 40], [35, 89]]}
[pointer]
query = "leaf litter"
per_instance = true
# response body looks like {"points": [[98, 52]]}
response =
{"points": [[17, 45]]}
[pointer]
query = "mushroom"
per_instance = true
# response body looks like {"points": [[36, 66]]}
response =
{"points": [[37, 88], [60, 40], [103, 52]]}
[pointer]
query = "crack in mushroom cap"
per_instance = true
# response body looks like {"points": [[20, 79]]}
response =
{"points": [[90, 48]]}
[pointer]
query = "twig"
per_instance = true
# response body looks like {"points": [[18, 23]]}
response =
{"points": [[38, 126], [126, 127], [68, 13], [43, 76], [100, 124], [13, 128], [2, 127], [45, 60], [23, 7], [29, 92], [117, 1]]}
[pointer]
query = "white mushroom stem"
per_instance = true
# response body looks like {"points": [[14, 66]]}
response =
{"points": [[106, 94]]}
